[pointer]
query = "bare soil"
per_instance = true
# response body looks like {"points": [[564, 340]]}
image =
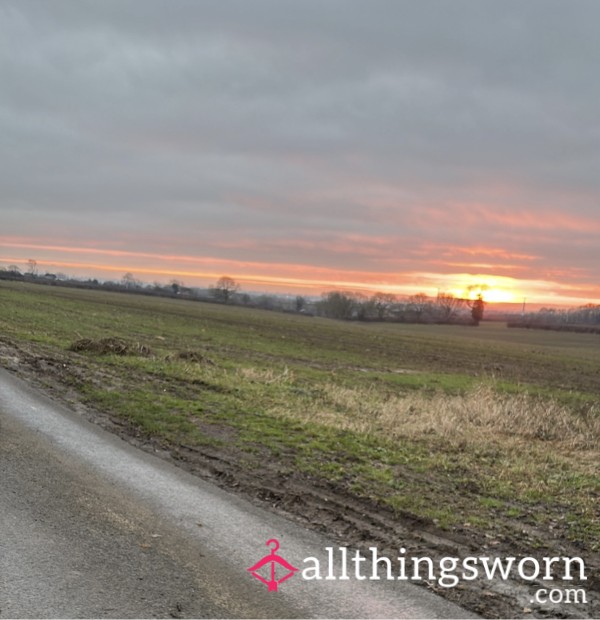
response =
{"points": [[331, 509]]}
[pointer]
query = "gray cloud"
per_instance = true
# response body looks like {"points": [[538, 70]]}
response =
{"points": [[278, 119]]}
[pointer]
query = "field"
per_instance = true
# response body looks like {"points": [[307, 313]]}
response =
{"points": [[446, 440]]}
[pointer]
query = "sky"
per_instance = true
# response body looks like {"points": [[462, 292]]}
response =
{"points": [[302, 146]]}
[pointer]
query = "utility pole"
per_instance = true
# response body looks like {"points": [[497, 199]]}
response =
{"points": [[524, 300]]}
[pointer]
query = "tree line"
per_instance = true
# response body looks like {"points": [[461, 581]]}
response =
{"points": [[343, 305], [419, 308], [585, 319]]}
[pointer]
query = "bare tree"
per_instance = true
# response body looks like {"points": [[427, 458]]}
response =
{"points": [[363, 308], [382, 302], [225, 289], [448, 306], [419, 304], [32, 268], [129, 281]]}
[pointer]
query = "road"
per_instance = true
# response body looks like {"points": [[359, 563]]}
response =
{"points": [[93, 527]]}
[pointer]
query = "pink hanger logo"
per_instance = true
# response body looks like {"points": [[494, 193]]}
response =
{"points": [[274, 561]]}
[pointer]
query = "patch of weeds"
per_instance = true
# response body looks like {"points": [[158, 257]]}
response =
{"points": [[514, 513], [491, 503], [478, 521]]}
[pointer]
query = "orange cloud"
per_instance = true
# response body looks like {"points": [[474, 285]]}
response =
{"points": [[473, 216], [500, 253], [453, 276]]}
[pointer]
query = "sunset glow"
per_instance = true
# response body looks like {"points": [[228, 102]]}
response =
{"points": [[202, 271]]}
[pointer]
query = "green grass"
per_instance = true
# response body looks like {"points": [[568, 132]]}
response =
{"points": [[440, 422]]}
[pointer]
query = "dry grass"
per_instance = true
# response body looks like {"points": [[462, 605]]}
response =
{"points": [[267, 376], [480, 416]]}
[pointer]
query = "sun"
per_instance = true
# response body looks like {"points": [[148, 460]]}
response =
{"points": [[498, 296], [491, 293]]}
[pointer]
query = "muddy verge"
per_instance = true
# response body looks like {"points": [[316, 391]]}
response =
{"points": [[334, 510]]}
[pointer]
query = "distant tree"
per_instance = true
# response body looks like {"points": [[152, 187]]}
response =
{"points": [[381, 303], [14, 269], [477, 308], [225, 289], [447, 305], [32, 268], [300, 303], [590, 313], [129, 281], [362, 307], [176, 286], [336, 305], [419, 304]]}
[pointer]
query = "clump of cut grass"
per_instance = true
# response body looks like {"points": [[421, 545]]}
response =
{"points": [[480, 415], [110, 346]]}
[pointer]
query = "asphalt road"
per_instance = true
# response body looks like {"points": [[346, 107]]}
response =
{"points": [[92, 527]]}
